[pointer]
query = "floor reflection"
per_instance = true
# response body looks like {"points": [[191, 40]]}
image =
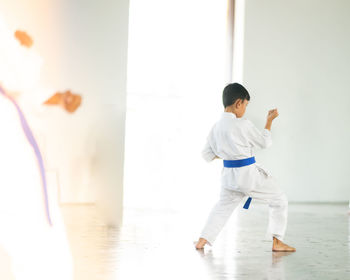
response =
{"points": [[153, 244]]}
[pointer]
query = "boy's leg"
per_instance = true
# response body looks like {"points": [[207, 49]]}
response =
{"points": [[219, 215], [270, 193]]}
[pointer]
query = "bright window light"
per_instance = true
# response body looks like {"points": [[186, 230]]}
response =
{"points": [[176, 65]]}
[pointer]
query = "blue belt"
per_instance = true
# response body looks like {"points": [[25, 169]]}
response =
{"points": [[240, 163]]}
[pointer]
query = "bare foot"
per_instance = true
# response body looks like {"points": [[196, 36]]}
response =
{"points": [[200, 244], [279, 246]]}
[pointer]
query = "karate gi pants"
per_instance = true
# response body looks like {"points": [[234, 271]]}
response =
{"points": [[268, 192]]}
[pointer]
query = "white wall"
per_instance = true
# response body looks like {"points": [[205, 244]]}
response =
{"points": [[84, 47], [296, 58]]}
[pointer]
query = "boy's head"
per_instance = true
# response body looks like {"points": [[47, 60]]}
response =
{"points": [[235, 99]]}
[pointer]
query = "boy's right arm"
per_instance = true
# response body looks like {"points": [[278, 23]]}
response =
{"points": [[259, 139], [256, 138]]}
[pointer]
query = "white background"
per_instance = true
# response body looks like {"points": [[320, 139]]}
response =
{"points": [[296, 58]]}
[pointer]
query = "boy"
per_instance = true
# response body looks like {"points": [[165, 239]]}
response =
{"points": [[232, 139]]}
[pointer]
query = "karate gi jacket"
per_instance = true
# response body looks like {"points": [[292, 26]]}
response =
{"points": [[233, 138]]}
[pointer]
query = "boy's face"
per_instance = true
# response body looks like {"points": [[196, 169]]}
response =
{"points": [[240, 107]]}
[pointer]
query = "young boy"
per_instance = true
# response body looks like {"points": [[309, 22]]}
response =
{"points": [[232, 139]]}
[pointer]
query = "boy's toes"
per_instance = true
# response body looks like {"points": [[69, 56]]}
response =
{"points": [[200, 244], [283, 248], [279, 246]]}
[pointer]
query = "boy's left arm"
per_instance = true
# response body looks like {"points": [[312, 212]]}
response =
{"points": [[207, 152]]}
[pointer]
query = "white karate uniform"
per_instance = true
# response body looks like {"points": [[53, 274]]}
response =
{"points": [[36, 250], [233, 138]]}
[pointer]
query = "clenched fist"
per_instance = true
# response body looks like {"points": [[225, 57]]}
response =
{"points": [[67, 100], [272, 114]]}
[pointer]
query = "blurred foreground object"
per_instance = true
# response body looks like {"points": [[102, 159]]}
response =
{"points": [[36, 248], [69, 101], [24, 38]]}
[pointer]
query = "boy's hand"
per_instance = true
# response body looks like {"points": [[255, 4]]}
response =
{"points": [[71, 101], [23, 38], [67, 100], [272, 115]]}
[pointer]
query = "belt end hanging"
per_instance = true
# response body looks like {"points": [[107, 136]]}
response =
{"points": [[247, 203]]}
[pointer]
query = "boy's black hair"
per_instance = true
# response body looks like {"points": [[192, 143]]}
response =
{"points": [[232, 92]]}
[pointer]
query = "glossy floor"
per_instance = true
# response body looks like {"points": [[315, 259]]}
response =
{"points": [[153, 244]]}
